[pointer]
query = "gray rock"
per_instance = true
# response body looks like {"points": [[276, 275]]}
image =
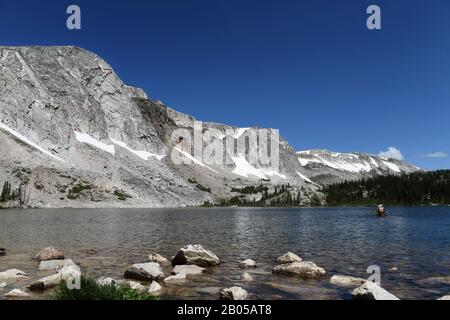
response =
{"points": [[2, 252], [188, 269], [48, 265], [16, 293], [444, 298], [155, 288], [181, 277], [13, 274], [3, 285], [50, 253], [195, 254], [247, 277], [106, 281], [67, 273], [289, 258], [137, 286], [248, 263], [347, 281], [304, 269], [144, 271], [371, 291], [155, 257], [233, 293]]}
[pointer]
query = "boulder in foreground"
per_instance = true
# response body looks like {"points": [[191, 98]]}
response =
{"points": [[304, 269], [247, 277], [371, 291], [195, 254], [233, 293], [50, 253], [144, 271], [188, 269], [289, 258]]}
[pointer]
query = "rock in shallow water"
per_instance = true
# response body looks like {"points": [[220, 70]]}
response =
{"points": [[2, 251], [181, 277], [188, 269], [347, 281], [371, 291], [50, 253], [144, 271], [13, 274], [195, 254], [55, 264], [70, 272], [247, 277], [155, 288], [3, 285], [304, 269], [248, 263], [233, 293], [16, 293], [137, 286], [155, 257], [289, 258]]}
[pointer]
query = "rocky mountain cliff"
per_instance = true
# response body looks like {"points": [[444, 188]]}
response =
{"points": [[72, 134]]}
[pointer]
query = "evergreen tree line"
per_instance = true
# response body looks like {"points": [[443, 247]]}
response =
{"points": [[418, 188]]}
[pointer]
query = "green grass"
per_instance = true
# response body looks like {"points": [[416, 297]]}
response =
{"points": [[90, 290]]}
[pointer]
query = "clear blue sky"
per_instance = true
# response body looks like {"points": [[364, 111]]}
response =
{"points": [[310, 68]]}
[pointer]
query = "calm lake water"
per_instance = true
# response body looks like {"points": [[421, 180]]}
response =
{"points": [[341, 240]]}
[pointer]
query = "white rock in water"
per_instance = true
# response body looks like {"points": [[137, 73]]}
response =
{"points": [[50, 253], [47, 265], [371, 291], [247, 277], [445, 298], [155, 257], [233, 293], [144, 271], [188, 269], [71, 272], [393, 269], [347, 281], [248, 263], [196, 254], [3, 285], [13, 274], [155, 288], [304, 269], [177, 278], [106, 281], [16, 293], [289, 258], [137, 286]]}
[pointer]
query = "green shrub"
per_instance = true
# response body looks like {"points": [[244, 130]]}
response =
{"points": [[91, 290]]}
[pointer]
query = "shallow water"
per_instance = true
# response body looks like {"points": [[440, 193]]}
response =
{"points": [[341, 240]]}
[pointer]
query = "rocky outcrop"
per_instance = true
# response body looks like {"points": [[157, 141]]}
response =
{"points": [[13, 274], [371, 291], [188, 270], [304, 269], [50, 253], [248, 263], [289, 258], [144, 272], [196, 254], [347, 281], [233, 293]]}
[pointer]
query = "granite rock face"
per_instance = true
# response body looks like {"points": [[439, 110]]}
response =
{"points": [[77, 136]]}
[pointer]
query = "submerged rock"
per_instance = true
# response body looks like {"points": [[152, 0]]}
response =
{"points": [[347, 281], [248, 263], [393, 269], [188, 269], [14, 274], [155, 257], [155, 288], [195, 254], [371, 291], [16, 293], [47, 265], [3, 285], [144, 271], [233, 293], [304, 269], [289, 258], [174, 279], [2, 251], [247, 277], [50, 253]]}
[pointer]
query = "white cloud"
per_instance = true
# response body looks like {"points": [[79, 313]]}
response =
{"points": [[392, 152], [438, 154]]}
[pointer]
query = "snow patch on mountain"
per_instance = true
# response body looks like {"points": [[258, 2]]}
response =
{"points": [[85, 138], [245, 169], [141, 154]]}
